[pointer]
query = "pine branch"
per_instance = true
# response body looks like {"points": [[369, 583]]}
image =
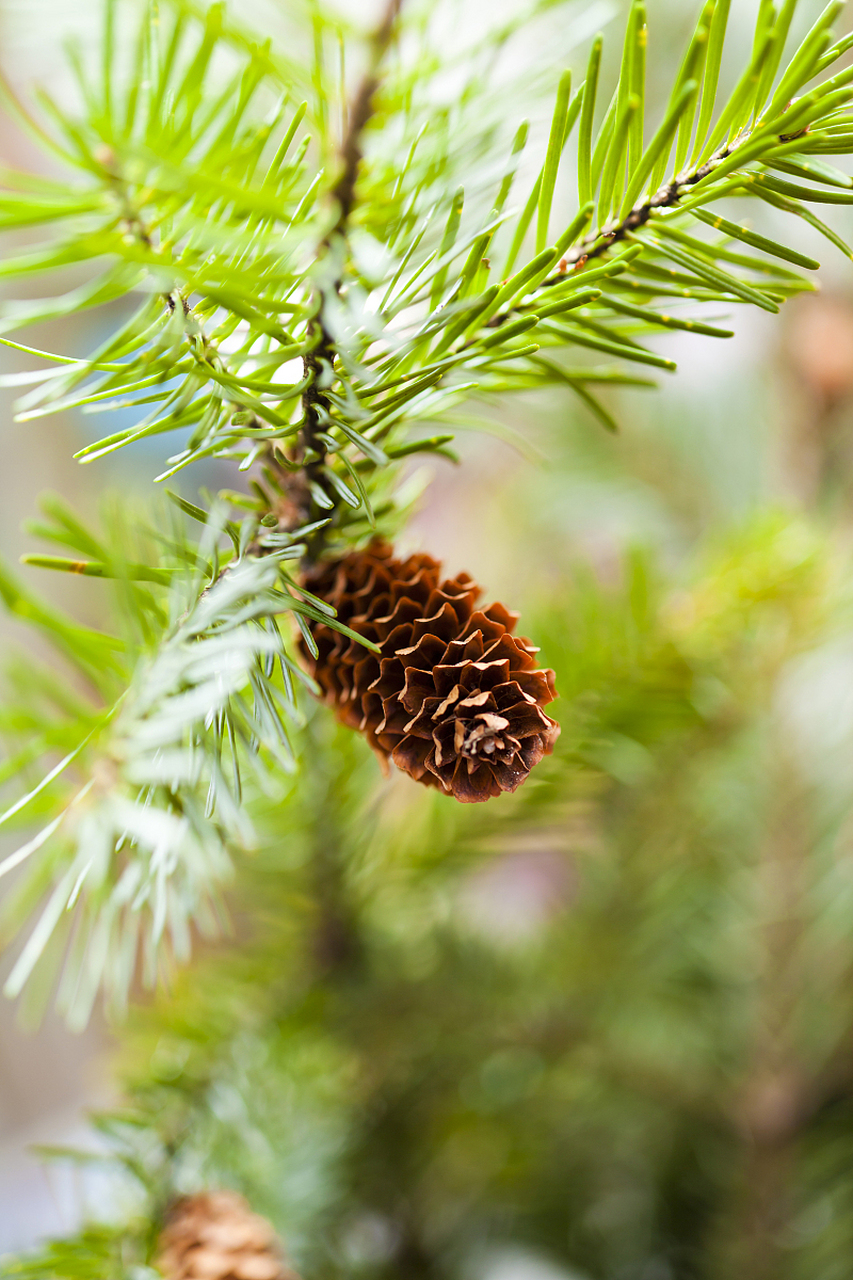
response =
{"points": [[182, 190], [594, 246], [147, 801], [319, 363], [597, 244], [358, 117]]}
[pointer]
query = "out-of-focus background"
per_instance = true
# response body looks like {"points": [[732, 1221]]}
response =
{"points": [[763, 421]]}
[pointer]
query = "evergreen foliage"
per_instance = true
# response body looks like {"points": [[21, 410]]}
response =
{"points": [[402, 1087], [315, 279], [305, 326]]}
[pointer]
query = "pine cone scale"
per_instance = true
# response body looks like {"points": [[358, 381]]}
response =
{"points": [[418, 685], [454, 697], [425, 654], [411, 756]]}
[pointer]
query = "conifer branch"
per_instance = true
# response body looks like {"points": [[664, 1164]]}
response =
{"points": [[359, 115], [319, 363], [221, 215], [597, 244]]}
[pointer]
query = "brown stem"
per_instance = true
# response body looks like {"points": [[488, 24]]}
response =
{"points": [[668, 195], [360, 113], [319, 363], [597, 244]]}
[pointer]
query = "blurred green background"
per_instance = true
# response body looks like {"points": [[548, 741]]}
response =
{"points": [[605, 1027]]}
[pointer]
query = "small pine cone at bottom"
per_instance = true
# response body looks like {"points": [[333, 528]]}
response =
{"points": [[215, 1236], [453, 697]]}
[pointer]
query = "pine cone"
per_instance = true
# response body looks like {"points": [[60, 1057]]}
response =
{"points": [[215, 1236], [453, 698]]}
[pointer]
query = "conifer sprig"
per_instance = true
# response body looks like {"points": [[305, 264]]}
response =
{"points": [[313, 308]]}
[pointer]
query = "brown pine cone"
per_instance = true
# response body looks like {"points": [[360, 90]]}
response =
{"points": [[215, 1236], [453, 698]]}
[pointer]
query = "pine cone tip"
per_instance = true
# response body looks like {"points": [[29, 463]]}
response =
{"points": [[214, 1235]]}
